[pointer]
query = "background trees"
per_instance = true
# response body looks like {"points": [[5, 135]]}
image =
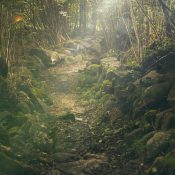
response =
{"points": [[126, 25]]}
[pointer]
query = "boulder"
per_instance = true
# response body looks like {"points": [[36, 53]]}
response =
{"points": [[67, 118], [156, 145], [135, 134], [150, 116], [165, 120], [65, 157], [156, 93], [171, 97], [164, 165], [151, 78]]}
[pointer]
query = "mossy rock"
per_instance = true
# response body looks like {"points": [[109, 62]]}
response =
{"points": [[165, 120], [156, 93], [150, 116], [133, 135], [67, 118], [156, 145], [151, 78], [164, 165]]}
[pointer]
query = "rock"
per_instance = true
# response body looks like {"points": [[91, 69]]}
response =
{"points": [[165, 120], [164, 165], [156, 93], [150, 116], [151, 78], [146, 137], [12, 167], [171, 97], [135, 134], [83, 167], [67, 118], [65, 157], [156, 145]]}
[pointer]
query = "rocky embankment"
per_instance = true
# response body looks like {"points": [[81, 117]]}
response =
{"points": [[136, 125]]}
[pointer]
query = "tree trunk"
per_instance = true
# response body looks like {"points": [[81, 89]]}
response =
{"points": [[83, 16]]}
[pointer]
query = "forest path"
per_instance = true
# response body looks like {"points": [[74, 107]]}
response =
{"points": [[72, 126], [63, 86]]}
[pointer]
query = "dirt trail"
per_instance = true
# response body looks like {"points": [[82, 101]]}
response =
{"points": [[63, 86], [69, 135]]}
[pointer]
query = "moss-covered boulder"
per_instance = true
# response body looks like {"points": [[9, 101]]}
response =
{"points": [[67, 117], [157, 145], [150, 116], [164, 165], [165, 120], [156, 93], [151, 78]]}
